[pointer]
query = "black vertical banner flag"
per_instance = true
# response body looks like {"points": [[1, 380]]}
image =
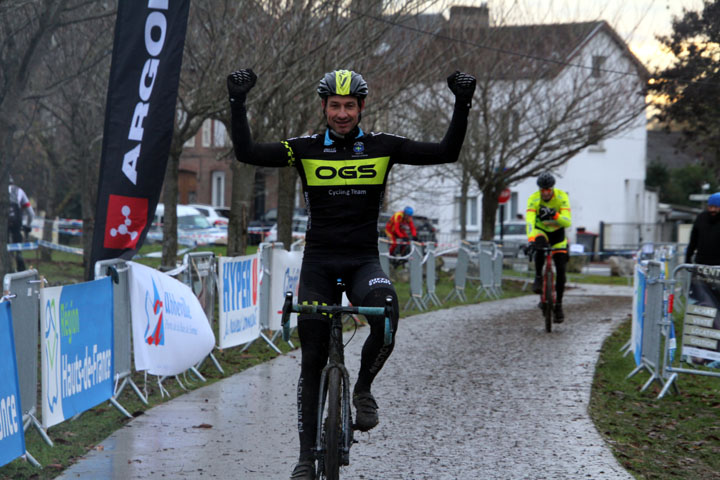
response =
{"points": [[144, 77]]}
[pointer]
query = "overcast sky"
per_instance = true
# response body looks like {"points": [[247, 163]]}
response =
{"points": [[637, 21]]}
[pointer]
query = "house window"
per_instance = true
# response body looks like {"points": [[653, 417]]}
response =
{"points": [[471, 213], [595, 137], [218, 189], [597, 64], [206, 131], [219, 134], [510, 126], [190, 142]]}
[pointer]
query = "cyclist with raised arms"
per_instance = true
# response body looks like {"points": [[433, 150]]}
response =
{"points": [[343, 172], [547, 217]]}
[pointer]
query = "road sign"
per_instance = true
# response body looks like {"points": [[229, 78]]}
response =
{"points": [[504, 196]]}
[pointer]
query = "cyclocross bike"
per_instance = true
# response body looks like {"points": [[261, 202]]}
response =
{"points": [[547, 299], [335, 428]]}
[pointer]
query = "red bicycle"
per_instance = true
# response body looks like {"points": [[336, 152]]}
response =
{"points": [[547, 296]]}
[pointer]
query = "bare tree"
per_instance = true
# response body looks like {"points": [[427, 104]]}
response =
{"points": [[536, 105], [26, 30]]}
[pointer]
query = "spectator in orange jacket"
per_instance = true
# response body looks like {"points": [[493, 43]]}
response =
{"points": [[398, 226]]}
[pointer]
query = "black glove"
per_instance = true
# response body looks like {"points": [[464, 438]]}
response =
{"points": [[463, 86], [239, 84], [546, 213]]}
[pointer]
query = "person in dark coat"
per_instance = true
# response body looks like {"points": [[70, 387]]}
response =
{"points": [[705, 235]]}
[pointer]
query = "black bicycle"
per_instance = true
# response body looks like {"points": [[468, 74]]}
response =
{"points": [[335, 428]]}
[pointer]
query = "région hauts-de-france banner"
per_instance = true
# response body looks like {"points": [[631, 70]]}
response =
{"points": [[171, 332], [12, 434], [239, 304], [76, 345], [142, 92]]}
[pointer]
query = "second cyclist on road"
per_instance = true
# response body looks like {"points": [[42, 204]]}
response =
{"points": [[547, 217]]}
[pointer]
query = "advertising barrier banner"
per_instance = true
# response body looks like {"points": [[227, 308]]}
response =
{"points": [[238, 290], [171, 332], [12, 435], [76, 346], [638, 312], [701, 333], [285, 276]]}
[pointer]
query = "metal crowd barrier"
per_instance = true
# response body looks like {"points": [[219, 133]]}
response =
{"points": [[200, 275], [416, 278], [651, 355], [461, 273], [118, 270], [701, 336], [430, 281], [26, 333]]}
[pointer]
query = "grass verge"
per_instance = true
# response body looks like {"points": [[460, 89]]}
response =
{"points": [[676, 437]]}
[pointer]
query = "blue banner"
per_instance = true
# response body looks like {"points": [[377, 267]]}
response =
{"points": [[77, 348], [638, 313], [12, 435]]}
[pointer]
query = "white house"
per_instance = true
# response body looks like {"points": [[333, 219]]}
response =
{"points": [[605, 181]]}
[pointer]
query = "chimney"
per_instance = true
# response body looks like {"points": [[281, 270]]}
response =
{"points": [[473, 17]]}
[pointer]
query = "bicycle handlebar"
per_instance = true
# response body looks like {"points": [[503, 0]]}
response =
{"points": [[290, 307]]}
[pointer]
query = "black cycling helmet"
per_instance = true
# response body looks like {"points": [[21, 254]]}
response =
{"points": [[343, 82], [546, 180]]}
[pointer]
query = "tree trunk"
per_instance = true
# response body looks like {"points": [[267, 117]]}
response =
{"points": [[286, 205], [88, 198], [170, 195], [489, 211], [243, 176]]}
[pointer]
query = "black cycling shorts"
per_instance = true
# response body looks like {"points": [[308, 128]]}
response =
{"points": [[365, 282]]}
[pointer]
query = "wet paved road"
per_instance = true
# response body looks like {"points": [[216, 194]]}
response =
{"points": [[474, 392]]}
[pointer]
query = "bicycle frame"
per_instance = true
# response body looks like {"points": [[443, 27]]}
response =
{"points": [[328, 382]]}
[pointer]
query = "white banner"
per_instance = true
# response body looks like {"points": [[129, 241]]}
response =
{"points": [[285, 276], [238, 289], [171, 332]]}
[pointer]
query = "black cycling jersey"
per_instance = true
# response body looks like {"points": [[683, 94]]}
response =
{"points": [[344, 178]]}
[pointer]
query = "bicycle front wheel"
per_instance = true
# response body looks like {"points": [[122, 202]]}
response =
{"points": [[548, 303], [333, 426]]}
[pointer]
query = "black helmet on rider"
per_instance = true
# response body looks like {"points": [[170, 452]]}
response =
{"points": [[546, 180], [343, 82]]}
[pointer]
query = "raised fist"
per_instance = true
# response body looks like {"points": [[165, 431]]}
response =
{"points": [[462, 85], [239, 84]]}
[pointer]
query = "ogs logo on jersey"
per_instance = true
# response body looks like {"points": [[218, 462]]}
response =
{"points": [[369, 171]]}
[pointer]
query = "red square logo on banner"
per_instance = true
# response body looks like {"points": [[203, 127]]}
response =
{"points": [[126, 219]]}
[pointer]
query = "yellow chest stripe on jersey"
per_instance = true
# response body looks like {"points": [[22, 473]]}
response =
{"points": [[365, 171]]}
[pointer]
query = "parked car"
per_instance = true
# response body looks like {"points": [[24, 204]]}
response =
{"points": [[514, 238], [213, 214], [193, 227], [258, 231], [426, 230], [299, 226]]}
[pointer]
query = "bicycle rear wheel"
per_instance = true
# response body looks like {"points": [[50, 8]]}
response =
{"points": [[548, 304], [333, 426]]}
